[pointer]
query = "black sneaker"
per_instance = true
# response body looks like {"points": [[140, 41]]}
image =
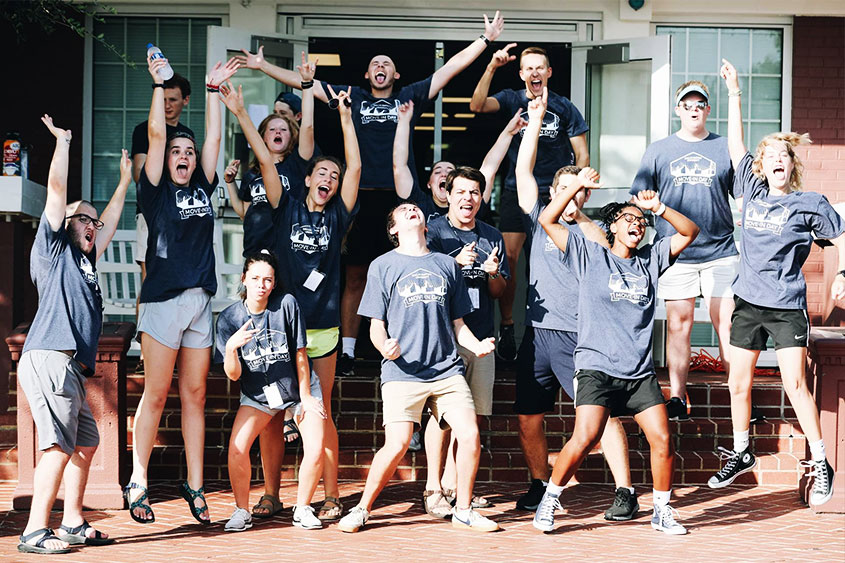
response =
{"points": [[506, 347], [756, 415], [345, 366], [737, 464], [677, 409], [822, 474], [624, 507], [531, 499]]}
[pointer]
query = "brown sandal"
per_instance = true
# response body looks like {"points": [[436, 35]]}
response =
{"points": [[436, 505], [331, 510], [269, 503]]}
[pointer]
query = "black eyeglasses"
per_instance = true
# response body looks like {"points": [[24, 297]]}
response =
{"points": [[631, 218], [694, 105], [85, 219]]}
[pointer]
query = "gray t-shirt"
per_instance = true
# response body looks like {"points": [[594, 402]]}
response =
{"points": [[444, 238], [696, 179], [552, 296], [777, 233], [70, 305], [418, 298], [616, 306]]}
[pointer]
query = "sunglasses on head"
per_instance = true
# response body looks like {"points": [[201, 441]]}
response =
{"points": [[689, 106], [86, 219]]}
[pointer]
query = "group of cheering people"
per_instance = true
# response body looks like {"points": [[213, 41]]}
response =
{"points": [[592, 292]]}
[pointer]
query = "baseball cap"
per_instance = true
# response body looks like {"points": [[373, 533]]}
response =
{"points": [[292, 100]]}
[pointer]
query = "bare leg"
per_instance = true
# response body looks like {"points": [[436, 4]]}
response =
{"points": [[48, 476], [614, 445], [655, 424], [76, 477], [792, 362], [325, 367], [465, 429], [272, 454], [249, 423], [535, 448], [397, 436], [721, 310], [679, 319], [513, 246], [590, 421], [356, 279], [193, 373], [436, 440], [740, 379], [312, 428]]}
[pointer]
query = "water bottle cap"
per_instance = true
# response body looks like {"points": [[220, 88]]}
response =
{"points": [[150, 45]]}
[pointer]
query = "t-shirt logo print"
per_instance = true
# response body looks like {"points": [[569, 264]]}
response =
{"points": [[379, 111], [309, 239], [87, 271], [629, 286], [550, 245], [693, 168], [192, 204], [763, 216], [265, 348], [550, 127], [257, 191], [422, 286]]}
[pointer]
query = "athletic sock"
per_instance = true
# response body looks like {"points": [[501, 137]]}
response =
{"points": [[349, 346], [554, 490], [463, 513], [630, 489], [817, 450], [661, 498], [740, 441]]}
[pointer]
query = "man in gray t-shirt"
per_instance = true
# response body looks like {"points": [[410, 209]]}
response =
{"points": [[61, 349], [692, 172], [415, 300]]}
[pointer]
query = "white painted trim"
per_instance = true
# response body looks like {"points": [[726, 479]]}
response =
{"points": [[165, 10], [719, 20], [87, 109], [786, 81]]}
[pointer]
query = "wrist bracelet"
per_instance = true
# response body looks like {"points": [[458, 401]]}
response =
{"points": [[494, 276], [484, 38], [212, 88], [734, 93], [306, 84], [158, 85], [660, 210]]}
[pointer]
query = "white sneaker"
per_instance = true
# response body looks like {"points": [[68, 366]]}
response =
{"points": [[239, 521], [303, 517], [663, 520], [354, 520], [822, 474], [544, 518], [472, 520]]}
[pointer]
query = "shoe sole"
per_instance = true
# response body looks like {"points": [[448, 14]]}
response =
{"points": [[623, 518], [541, 527], [461, 526], [245, 528], [732, 479], [679, 418], [304, 527], [530, 507], [669, 531], [827, 498], [348, 529]]}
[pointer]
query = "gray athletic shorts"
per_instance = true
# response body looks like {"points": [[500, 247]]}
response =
{"points": [[184, 320], [297, 412], [55, 389]]}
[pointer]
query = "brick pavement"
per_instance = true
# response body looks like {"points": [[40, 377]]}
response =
{"points": [[763, 523]]}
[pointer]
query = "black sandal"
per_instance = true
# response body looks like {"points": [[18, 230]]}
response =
{"points": [[190, 496], [38, 547], [138, 503], [291, 432], [79, 535]]}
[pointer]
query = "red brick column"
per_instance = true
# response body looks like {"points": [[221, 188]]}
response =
{"points": [[818, 108]]}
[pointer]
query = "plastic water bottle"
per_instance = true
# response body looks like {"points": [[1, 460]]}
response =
{"points": [[166, 73]]}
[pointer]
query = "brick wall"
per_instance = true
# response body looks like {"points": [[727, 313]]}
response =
{"points": [[818, 108]]}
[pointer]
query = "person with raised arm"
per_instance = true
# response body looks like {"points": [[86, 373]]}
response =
{"points": [[416, 300], [175, 323], [614, 372], [562, 142], [375, 114], [545, 362], [61, 349], [261, 343], [779, 224]]}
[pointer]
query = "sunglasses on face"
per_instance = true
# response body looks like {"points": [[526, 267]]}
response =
{"points": [[85, 220], [689, 106], [631, 218]]}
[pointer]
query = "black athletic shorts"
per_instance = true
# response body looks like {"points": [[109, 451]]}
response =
{"points": [[511, 218], [367, 238], [545, 364], [751, 326], [620, 396]]}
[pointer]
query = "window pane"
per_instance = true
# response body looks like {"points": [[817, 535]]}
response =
{"points": [[110, 128], [765, 98], [735, 44], [139, 32], [766, 52], [703, 57], [758, 131]]}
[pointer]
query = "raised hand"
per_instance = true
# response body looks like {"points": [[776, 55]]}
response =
{"points": [[250, 60], [307, 69], [232, 99], [491, 265], [57, 132], [502, 57], [406, 111], [311, 403], [648, 200], [231, 171], [220, 73], [467, 255], [125, 167], [390, 349], [241, 337], [492, 29], [516, 124], [537, 106], [154, 65], [728, 73], [486, 346], [589, 178], [341, 100]]}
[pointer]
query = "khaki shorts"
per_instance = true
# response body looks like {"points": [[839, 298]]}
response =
{"points": [[707, 279], [142, 233], [184, 320], [480, 376], [404, 401]]}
